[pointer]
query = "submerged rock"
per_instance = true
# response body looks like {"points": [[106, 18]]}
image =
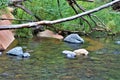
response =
{"points": [[75, 53], [74, 38], [69, 54], [18, 51], [81, 52], [117, 42]]}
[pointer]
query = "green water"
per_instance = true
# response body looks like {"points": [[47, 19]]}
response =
{"points": [[47, 62]]}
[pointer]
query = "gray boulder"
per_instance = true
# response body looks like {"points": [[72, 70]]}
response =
{"points": [[74, 38], [17, 51]]}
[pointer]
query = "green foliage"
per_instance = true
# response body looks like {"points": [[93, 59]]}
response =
{"points": [[49, 10], [3, 3], [25, 33], [111, 25]]}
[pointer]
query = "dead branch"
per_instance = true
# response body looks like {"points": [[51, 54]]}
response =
{"points": [[82, 9], [72, 3], [17, 19], [45, 22]]}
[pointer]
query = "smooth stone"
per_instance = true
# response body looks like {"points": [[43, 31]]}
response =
{"points": [[81, 52], [74, 38], [50, 34], [69, 54], [17, 51]]}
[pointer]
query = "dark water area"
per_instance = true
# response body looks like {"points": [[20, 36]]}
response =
{"points": [[48, 63]]}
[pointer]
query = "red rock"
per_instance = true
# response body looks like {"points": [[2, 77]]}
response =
{"points": [[6, 36], [48, 33]]}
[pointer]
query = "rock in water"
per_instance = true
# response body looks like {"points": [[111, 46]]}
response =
{"points": [[74, 38], [26, 55], [117, 42], [17, 51], [69, 54], [0, 53], [81, 52]]}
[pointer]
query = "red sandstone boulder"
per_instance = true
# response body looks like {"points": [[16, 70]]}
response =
{"points": [[6, 36], [48, 33]]}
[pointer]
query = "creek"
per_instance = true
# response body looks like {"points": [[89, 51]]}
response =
{"points": [[48, 63]]}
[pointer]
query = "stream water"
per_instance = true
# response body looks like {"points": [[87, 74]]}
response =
{"points": [[48, 63]]}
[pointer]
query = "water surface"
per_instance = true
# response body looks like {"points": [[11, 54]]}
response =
{"points": [[47, 62]]}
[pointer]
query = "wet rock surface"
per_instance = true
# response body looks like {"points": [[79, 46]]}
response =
{"points": [[74, 38], [18, 51]]}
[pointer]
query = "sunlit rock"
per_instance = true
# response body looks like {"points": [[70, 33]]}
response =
{"points": [[48, 33], [81, 52], [74, 38], [69, 54]]}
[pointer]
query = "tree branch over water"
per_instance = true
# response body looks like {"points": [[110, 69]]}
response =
{"points": [[45, 22]]}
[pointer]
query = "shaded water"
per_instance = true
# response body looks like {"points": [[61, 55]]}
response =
{"points": [[47, 62]]}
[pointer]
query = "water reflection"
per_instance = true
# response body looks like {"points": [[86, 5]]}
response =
{"points": [[73, 46]]}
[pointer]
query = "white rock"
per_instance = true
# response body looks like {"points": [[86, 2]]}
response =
{"points": [[69, 54], [81, 52]]}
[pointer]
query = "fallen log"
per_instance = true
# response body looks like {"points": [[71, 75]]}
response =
{"points": [[45, 22]]}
